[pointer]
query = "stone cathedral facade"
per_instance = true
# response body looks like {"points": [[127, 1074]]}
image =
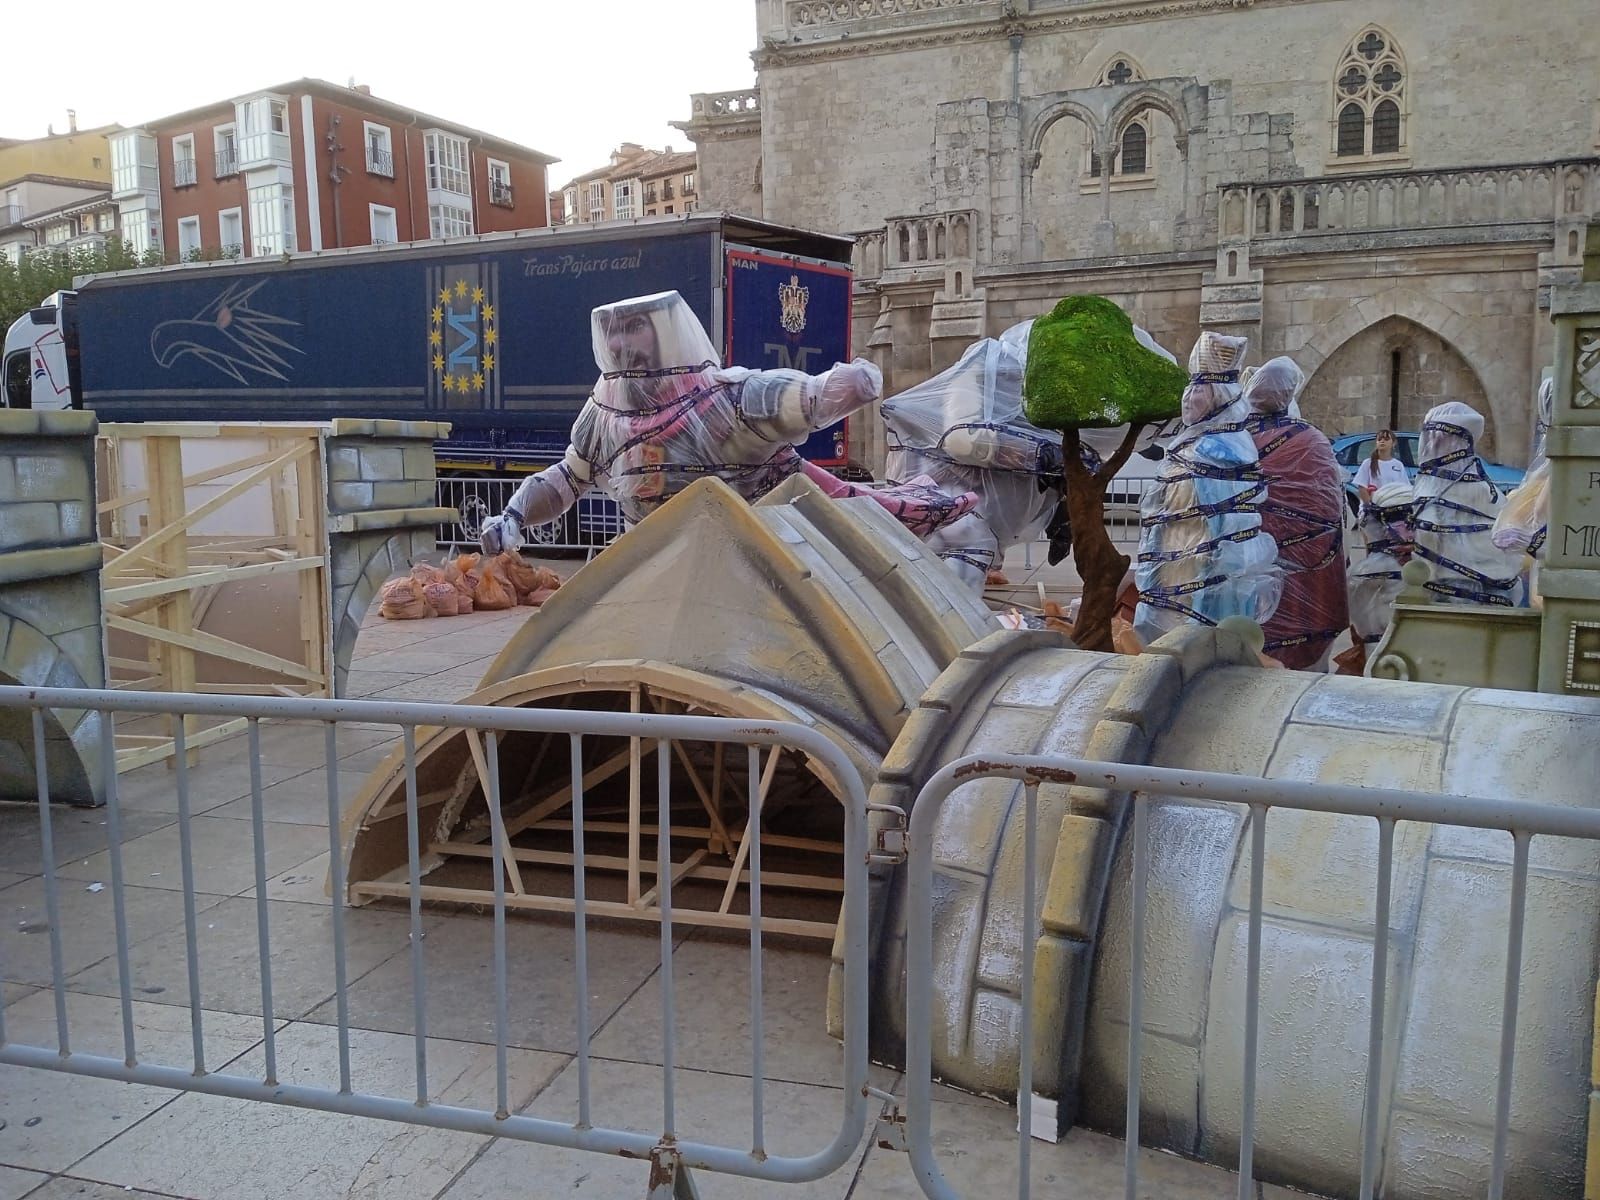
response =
{"points": [[1384, 191]]}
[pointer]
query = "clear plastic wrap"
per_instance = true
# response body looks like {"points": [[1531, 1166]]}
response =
{"points": [[1455, 510], [1524, 522], [1304, 512], [1203, 555], [664, 414], [964, 429], [1383, 528]]}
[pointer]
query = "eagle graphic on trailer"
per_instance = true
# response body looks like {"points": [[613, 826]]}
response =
{"points": [[231, 335]]}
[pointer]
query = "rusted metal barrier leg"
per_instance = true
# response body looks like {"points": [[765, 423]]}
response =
{"points": [[669, 1178]]}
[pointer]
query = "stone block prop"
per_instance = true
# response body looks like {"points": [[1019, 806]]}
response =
{"points": [[383, 515], [50, 616], [1474, 645], [1569, 658]]}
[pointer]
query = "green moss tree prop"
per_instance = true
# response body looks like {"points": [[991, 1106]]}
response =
{"points": [[1086, 370]]}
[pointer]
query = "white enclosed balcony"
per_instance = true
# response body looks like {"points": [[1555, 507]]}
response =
{"points": [[134, 171], [263, 132]]}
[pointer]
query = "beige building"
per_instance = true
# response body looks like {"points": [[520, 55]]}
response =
{"points": [[637, 182], [1385, 192]]}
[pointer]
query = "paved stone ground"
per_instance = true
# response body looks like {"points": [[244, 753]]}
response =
{"points": [[67, 1137]]}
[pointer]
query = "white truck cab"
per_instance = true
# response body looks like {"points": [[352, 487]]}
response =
{"points": [[38, 364]]}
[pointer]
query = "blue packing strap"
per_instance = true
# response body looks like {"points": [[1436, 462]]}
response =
{"points": [[1157, 601], [659, 372], [1302, 639], [1438, 527], [1214, 377], [665, 468], [1241, 502], [1487, 581], [973, 556], [1536, 544], [685, 401], [1461, 591], [1203, 470], [1167, 556]]}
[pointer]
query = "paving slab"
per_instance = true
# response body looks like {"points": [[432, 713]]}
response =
{"points": [[51, 1120], [361, 683], [16, 1183], [709, 1107], [88, 925], [223, 774], [238, 1150], [304, 884], [302, 745], [68, 1187], [76, 834], [302, 800], [223, 855], [711, 984], [975, 1145], [7, 878], [230, 977], [458, 953]]}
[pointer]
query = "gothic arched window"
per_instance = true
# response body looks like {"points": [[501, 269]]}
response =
{"points": [[1135, 141], [1369, 102], [1131, 150]]}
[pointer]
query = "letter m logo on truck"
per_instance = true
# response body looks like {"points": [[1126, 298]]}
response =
{"points": [[464, 336]]}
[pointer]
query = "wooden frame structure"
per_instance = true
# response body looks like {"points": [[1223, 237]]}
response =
{"points": [[711, 813], [189, 513]]}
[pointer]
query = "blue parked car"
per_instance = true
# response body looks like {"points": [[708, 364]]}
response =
{"points": [[1355, 448]]}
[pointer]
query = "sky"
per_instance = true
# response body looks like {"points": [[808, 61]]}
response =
{"points": [[573, 79]]}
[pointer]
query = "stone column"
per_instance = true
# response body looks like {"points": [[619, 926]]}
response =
{"points": [[383, 516], [1569, 654], [1105, 230], [50, 620]]}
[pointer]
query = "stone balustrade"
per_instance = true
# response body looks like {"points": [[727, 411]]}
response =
{"points": [[1393, 201], [710, 106], [930, 239]]}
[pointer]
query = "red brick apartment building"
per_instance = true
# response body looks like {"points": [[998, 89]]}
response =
{"points": [[314, 166]]}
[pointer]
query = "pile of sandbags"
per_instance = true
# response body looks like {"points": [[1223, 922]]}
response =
{"points": [[466, 583]]}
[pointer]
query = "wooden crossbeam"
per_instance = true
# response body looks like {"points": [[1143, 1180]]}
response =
{"points": [[176, 528], [753, 823], [209, 643], [481, 763], [129, 759], [123, 593], [199, 477], [702, 870]]}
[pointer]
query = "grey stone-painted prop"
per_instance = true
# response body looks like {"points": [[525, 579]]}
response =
{"points": [[50, 616], [382, 516]]}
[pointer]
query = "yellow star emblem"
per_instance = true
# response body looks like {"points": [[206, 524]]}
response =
{"points": [[434, 337], [438, 362], [438, 314], [461, 289], [488, 362], [490, 337], [477, 295], [444, 298], [477, 380], [488, 312]]}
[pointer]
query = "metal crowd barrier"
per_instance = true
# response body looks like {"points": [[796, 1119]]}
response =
{"points": [[588, 527], [1523, 820], [670, 1156]]}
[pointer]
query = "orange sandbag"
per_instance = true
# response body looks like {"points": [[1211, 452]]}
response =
{"points": [[465, 562], [402, 600], [537, 598], [442, 598], [463, 603], [494, 592], [423, 574], [549, 581], [522, 575]]}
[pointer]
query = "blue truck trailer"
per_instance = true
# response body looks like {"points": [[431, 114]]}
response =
{"points": [[490, 333]]}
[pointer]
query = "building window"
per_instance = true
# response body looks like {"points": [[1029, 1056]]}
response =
{"points": [[449, 220], [183, 172], [650, 192], [272, 219], [230, 232], [597, 201], [225, 149], [500, 184], [57, 233], [1135, 147], [622, 195], [1369, 102], [384, 228], [447, 164], [569, 206], [263, 124], [667, 210], [188, 238], [106, 222], [688, 206], [1120, 69], [133, 162], [688, 184], [380, 150], [140, 232]]}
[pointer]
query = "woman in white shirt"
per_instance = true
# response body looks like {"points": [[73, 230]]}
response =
{"points": [[1382, 468]]}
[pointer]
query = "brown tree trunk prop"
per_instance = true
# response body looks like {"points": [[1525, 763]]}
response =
{"points": [[1099, 564]]}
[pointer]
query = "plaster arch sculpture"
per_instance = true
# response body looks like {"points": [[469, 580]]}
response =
{"points": [[1197, 700]]}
